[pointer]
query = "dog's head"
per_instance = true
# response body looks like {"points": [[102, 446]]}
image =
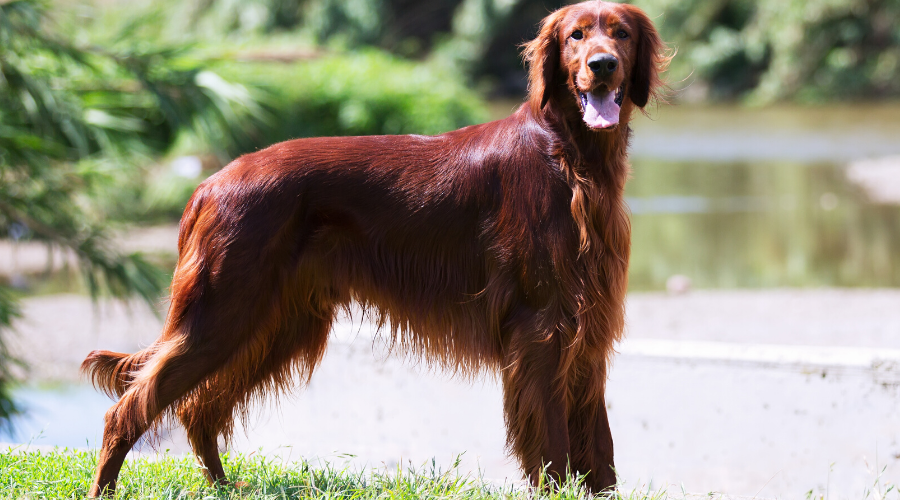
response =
{"points": [[597, 58]]}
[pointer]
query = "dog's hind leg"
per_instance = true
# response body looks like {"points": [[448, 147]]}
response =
{"points": [[180, 367], [296, 349], [204, 333]]}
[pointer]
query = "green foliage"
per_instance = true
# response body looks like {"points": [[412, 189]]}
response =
{"points": [[68, 474], [353, 21], [61, 105], [476, 24], [9, 310], [356, 21], [771, 50], [761, 51], [367, 92]]}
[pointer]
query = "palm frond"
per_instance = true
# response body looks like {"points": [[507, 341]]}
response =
{"points": [[60, 105]]}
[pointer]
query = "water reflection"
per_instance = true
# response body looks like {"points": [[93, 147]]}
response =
{"points": [[737, 197], [759, 224]]}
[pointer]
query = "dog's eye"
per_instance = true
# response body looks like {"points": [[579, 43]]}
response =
{"points": [[622, 34], [577, 35]]}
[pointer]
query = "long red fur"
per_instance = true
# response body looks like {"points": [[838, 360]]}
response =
{"points": [[502, 246]]}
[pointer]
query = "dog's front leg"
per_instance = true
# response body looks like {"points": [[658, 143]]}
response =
{"points": [[589, 434], [534, 405]]}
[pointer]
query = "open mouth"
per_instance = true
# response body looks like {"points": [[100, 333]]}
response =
{"points": [[601, 109]]}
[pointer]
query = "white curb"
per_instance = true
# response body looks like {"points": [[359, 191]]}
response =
{"points": [[867, 358]]}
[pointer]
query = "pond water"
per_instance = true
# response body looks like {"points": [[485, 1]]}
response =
{"points": [[66, 415], [734, 197]]}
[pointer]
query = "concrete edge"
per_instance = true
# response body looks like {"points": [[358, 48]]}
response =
{"points": [[766, 354]]}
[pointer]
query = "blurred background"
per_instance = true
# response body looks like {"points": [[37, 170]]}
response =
{"points": [[764, 315]]}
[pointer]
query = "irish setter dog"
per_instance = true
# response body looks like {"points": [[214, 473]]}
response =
{"points": [[502, 246]]}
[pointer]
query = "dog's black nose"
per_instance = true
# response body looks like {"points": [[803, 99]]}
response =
{"points": [[603, 64]]}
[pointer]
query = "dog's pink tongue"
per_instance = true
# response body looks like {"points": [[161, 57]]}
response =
{"points": [[601, 112]]}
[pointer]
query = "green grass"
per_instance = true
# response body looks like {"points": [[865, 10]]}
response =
{"points": [[68, 474]]}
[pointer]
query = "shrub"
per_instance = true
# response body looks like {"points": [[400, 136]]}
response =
{"points": [[360, 93]]}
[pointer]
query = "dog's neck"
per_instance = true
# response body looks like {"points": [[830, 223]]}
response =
{"points": [[600, 155], [595, 165]]}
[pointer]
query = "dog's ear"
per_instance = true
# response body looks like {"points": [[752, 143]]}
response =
{"points": [[649, 62], [542, 56]]}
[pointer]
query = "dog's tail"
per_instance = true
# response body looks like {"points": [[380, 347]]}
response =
{"points": [[113, 372]]}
